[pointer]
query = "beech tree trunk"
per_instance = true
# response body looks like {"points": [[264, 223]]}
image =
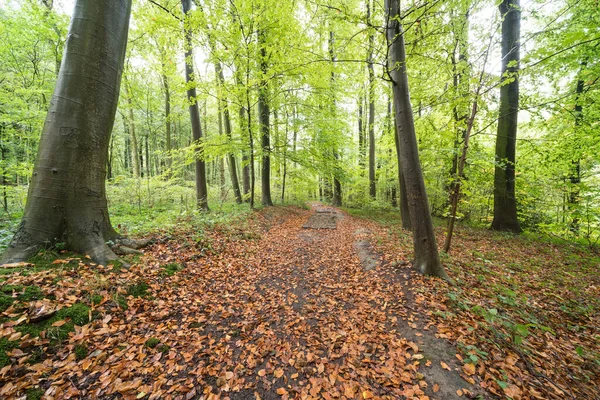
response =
{"points": [[505, 203], [372, 187], [427, 259], [337, 170], [263, 116], [131, 122], [227, 122], [404, 211], [201, 185], [67, 195]]}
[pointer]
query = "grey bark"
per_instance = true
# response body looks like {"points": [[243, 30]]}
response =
{"points": [[427, 260], [505, 203], [263, 115], [201, 185], [372, 187], [131, 122], [67, 195]]}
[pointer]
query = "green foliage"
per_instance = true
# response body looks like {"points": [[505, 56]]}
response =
{"points": [[34, 393], [171, 268], [152, 343], [81, 351], [138, 290]]}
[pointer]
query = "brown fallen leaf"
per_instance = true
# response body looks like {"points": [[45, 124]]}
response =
{"points": [[436, 388], [445, 366], [469, 369]]}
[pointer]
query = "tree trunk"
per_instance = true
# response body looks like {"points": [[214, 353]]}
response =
{"points": [[168, 146], [263, 115], [404, 211], [505, 204], [201, 185], [67, 195], [427, 260], [337, 185], [131, 122], [361, 134], [227, 121], [372, 187], [575, 173]]}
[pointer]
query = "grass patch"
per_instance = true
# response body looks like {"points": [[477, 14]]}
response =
{"points": [[81, 351], [78, 314], [138, 290], [171, 269], [152, 343], [34, 393]]}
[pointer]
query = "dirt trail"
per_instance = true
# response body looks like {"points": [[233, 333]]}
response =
{"points": [[332, 324], [294, 314]]}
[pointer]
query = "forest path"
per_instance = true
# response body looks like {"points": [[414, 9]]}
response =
{"points": [[263, 309], [311, 316]]}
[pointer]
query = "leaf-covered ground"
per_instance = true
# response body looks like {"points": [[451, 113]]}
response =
{"points": [[266, 309]]}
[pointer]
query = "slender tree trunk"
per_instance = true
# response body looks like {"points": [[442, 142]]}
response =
{"points": [[263, 115], [201, 185], [505, 203], [245, 156], [427, 260], [228, 131], [67, 195], [372, 187], [337, 170], [131, 122], [456, 185], [168, 145], [575, 174], [361, 134]]}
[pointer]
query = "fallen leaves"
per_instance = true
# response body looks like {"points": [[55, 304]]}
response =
{"points": [[292, 314]]}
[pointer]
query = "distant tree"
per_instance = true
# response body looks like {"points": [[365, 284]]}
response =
{"points": [[67, 197]]}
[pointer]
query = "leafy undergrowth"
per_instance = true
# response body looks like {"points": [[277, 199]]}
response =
{"points": [[525, 312]]}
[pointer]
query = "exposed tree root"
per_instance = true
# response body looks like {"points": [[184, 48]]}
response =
{"points": [[122, 250]]}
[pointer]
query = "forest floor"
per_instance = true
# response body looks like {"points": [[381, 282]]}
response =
{"points": [[296, 303]]}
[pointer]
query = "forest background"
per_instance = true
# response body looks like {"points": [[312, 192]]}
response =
{"points": [[329, 97]]}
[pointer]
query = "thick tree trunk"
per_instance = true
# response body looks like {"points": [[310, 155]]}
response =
{"points": [[505, 203], [263, 115], [201, 185], [404, 211], [372, 187], [67, 196], [427, 260]]}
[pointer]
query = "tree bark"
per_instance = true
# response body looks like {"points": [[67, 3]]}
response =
{"points": [[372, 187], [337, 170], [263, 115], [131, 122], [168, 145], [575, 173], [201, 185], [427, 260], [67, 195], [404, 211], [227, 122], [505, 204]]}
